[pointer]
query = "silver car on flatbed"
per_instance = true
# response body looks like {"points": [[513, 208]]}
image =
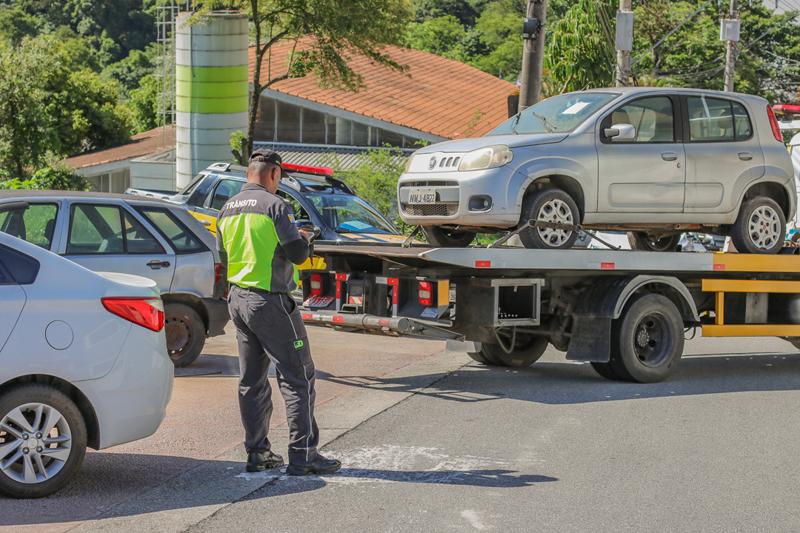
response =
{"points": [[652, 161], [133, 235]]}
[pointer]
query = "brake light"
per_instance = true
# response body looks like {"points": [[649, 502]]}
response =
{"points": [[425, 292], [220, 280], [776, 129], [316, 284], [145, 312]]}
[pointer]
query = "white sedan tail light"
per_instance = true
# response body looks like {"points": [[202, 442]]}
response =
{"points": [[145, 312]]}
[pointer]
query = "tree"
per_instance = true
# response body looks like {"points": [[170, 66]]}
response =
{"points": [[334, 29], [16, 24]]}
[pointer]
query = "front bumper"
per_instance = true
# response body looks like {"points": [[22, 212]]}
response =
{"points": [[454, 190], [218, 316]]}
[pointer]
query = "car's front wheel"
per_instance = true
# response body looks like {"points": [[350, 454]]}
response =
{"points": [[448, 238], [639, 240], [185, 332], [760, 227], [550, 206], [42, 440]]}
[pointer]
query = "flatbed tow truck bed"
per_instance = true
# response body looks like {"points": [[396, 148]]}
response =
{"points": [[624, 311]]}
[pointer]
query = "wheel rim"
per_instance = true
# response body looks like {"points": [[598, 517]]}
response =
{"points": [[651, 340], [660, 245], [179, 333], [765, 227], [556, 211], [35, 443]]}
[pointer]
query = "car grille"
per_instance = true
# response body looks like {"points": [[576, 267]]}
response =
{"points": [[446, 209], [430, 183]]}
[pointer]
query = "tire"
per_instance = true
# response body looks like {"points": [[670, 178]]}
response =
{"points": [[640, 241], [647, 339], [186, 334], [58, 456], [524, 354], [606, 371], [760, 227], [479, 357], [445, 238], [549, 205]]}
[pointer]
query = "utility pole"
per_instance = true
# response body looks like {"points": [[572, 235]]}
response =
{"points": [[729, 30], [624, 42], [533, 54]]}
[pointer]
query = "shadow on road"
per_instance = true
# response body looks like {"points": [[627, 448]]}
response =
{"points": [[558, 383]]}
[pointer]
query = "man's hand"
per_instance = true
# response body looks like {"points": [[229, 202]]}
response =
{"points": [[305, 234]]}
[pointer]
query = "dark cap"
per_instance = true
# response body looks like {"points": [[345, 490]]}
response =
{"points": [[265, 155]]}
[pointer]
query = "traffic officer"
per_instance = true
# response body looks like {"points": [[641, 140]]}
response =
{"points": [[258, 241]]}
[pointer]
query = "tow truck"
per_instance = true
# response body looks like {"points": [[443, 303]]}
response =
{"points": [[625, 312]]}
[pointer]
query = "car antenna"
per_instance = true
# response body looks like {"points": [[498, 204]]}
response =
{"points": [[586, 86]]}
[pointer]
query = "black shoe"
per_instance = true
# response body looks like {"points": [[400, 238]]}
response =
{"points": [[320, 465], [260, 461]]}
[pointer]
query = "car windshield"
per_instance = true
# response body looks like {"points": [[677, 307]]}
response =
{"points": [[558, 114], [349, 214]]}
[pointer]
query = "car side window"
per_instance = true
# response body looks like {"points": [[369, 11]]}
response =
{"points": [[138, 240], [22, 267], [36, 224], [297, 209], [652, 117], [95, 229], [172, 229], [226, 189], [716, 119]]}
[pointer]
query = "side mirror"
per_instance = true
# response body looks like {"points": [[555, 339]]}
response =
{"points": [[307, 225], [620, 133]]}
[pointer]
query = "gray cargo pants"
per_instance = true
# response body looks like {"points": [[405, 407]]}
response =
{"points": [[269, 327]]}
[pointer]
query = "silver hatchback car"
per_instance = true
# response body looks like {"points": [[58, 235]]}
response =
{"points": [[655, 162], [133, 235]]}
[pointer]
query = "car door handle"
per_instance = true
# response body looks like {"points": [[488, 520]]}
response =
{"points": [[155, 263], [669, 156], [745, 156], [206, 223]]}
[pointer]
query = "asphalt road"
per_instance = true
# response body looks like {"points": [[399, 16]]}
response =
{"points": [[431, 441]]}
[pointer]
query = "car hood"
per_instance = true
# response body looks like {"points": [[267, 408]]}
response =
{"points": [[512, 141]]}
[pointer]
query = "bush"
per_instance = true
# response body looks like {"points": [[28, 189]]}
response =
{"points": [[48, 178]]}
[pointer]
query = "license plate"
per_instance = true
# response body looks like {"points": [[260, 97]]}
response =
{"points": [[422, 196], [318, 301]]}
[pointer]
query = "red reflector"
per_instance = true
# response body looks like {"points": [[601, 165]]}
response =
{"points": [[607, 266], [306, 316], [145, 312], [341, 277], [776, 129], [316, 284], [483, 264], [425, 291], [383, 322], [719, 267], [392, 281], [219, 271], [338, 319]]}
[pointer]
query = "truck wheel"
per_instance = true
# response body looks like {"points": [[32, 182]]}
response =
{"points": [[606, 371], [549, 205], [647, 340], [760, 227], [42, 440], [639, 240], [447, 238], [186, 334], [524, 354]]}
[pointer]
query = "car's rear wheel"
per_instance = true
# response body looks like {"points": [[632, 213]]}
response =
{"points": [[640, 240], [551, 206], [42, 440], [448, 238], [760, 227], [186, 334]]}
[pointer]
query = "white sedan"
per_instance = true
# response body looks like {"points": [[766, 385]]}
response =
{"points": [[83, 362]]}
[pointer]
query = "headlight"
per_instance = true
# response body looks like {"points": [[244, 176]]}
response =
{"points": [[490, 157], [409, 160]]}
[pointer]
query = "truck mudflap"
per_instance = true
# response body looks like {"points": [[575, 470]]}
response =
{"points": [[377, 324]]}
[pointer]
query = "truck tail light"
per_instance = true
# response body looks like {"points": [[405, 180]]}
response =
{"points": [[425, 293], [776, 129], [316, 284], [145, 312]]}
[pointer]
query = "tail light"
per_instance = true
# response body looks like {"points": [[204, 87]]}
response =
{"points": [[220, 281], [776, 129], [145, 312], [316, 284], [425, 293]]}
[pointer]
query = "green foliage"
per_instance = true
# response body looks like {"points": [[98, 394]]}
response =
{"points": [[16, 24], [48, 178], [579, 54], [47, 107], [463, 10], [129, 72], [143, 105], [374, 178], [444, 36]]}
